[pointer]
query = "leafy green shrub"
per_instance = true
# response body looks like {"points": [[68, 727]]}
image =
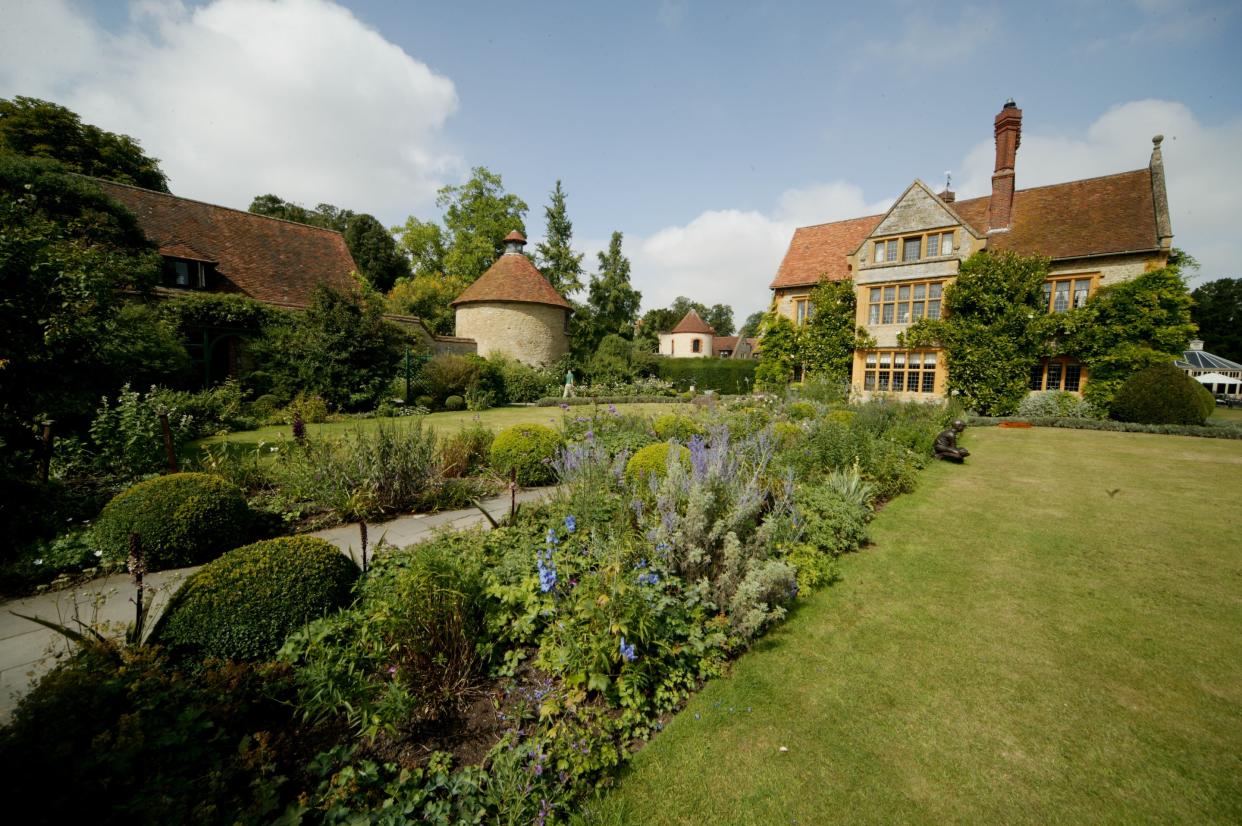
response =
{"points": [[1057, 404], [523, 383], [426, 402], [310, 406], [722, 375], [465, 452], [244, 604], [787, 435], [579, 401], [265, 406], [215, 410], [830, 523], [181, 519], [798, 411], [528, 450], [128, 440], [675, 426], [139, 742], [1163, 394], [653, 460], [615, 432], [449, 375], [454, 403], [849, 484]]}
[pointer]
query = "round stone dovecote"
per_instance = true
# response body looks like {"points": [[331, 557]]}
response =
{"points": [[513, 310]]}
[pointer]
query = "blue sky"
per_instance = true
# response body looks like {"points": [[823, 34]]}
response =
{"points": [[704, 131]]}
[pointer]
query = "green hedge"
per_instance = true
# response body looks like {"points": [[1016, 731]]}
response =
{"points": [[244, 604], [1208, 431], [181, 519], [722, 375], [578, 401]]}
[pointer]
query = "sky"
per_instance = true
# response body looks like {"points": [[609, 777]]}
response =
{"points": [[706, 132]]}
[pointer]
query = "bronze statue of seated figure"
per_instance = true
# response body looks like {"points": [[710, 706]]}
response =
{"points": [[946, 443]]}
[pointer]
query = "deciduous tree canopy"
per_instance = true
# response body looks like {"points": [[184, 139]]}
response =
{"points": [[1218, 312]]}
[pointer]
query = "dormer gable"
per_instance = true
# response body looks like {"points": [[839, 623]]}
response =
{"points": [[917, 210]]}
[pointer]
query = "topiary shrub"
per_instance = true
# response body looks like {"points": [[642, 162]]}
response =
{"points": [[244, 604], [830, 522], [676, 426], [454, 403], [425, 402], [798, 411], [654, 459], [528, 450], [182, 519], [1162, 394], [787, 435]]}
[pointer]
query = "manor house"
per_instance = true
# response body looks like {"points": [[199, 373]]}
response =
{"points": [[1097, 231]]}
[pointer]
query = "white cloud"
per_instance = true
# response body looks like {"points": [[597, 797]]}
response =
{"points": [[1202, 162], [241, 97], [927, 37]]}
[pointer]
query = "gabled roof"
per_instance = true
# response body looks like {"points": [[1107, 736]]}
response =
{"points": [[720, 343], [818, 252], [512, 278], [1093, 216], [265, 258], [691, 322]]}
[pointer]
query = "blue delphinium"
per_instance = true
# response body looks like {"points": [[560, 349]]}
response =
{"points": [[571, 524], [545, 563], [627, 652]]}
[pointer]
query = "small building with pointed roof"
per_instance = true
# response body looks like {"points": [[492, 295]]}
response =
{"points": [[513, 310], [691, 338]]}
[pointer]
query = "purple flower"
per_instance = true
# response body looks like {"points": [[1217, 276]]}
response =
{"points": [[564, 406], [627, 652], [571, 524], [649, 578]]}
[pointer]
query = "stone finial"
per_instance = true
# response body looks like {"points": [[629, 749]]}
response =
{"points": [[1159, 194]]}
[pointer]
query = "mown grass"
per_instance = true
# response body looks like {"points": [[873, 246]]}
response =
{"points": [[1051, 633], [1227, 415], [443, 423]]}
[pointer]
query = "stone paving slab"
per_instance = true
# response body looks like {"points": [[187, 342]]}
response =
{"points": [[29, 650]]}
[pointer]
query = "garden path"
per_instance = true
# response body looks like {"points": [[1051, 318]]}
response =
{"points": [[28, 651]]}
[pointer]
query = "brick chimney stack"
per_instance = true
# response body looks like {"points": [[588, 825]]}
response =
{"points": [[1008, 130]]}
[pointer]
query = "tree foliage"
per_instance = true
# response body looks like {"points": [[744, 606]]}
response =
{"points": [[557, 260], [65, 253], [477, 216], [428, 297], [39, 129], [1218, 313], [826, 342], [750, 327], [612, 300], [424, 245], [341, 348], [993, 330], [778, 354], [1127, 327], [663, 320]]}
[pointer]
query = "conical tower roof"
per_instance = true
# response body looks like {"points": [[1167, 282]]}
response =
{"points": [[513, 278], [692, 322]]}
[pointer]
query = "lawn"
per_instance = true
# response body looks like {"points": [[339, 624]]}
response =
{"points": [[1227, 415], [443, 423], [1049, 633]]}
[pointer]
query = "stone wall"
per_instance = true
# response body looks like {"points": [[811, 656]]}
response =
{"points": [[532, 333]]}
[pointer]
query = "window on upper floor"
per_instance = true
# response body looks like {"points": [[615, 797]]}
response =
{"points": [[186, 275], [904, 303], [900, 371], [1061, 294], [913, 247], [803, 307]]}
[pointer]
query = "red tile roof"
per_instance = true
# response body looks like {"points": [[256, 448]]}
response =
{"points": [[265, 258], [1093, 216], [818, 253], [692, 322], [512, 278], [723, 343]]}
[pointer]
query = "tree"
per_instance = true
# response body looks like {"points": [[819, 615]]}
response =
{"points": [[423, 243], [778, 353], [750, 328], [477, 216], [375, 252], [66, 251], [827, 341], [341, 348], [612, 300], [720, 317], [1127, 327], [39, 129], [1218, 312], [428, 297], [557, 260], [994, 328]]}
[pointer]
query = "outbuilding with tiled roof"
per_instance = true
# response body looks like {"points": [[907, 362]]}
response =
{"points": [[692, 337], [514, 311]]}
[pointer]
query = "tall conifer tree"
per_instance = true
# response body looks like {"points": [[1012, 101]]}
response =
{"points": [[557, 259]]}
